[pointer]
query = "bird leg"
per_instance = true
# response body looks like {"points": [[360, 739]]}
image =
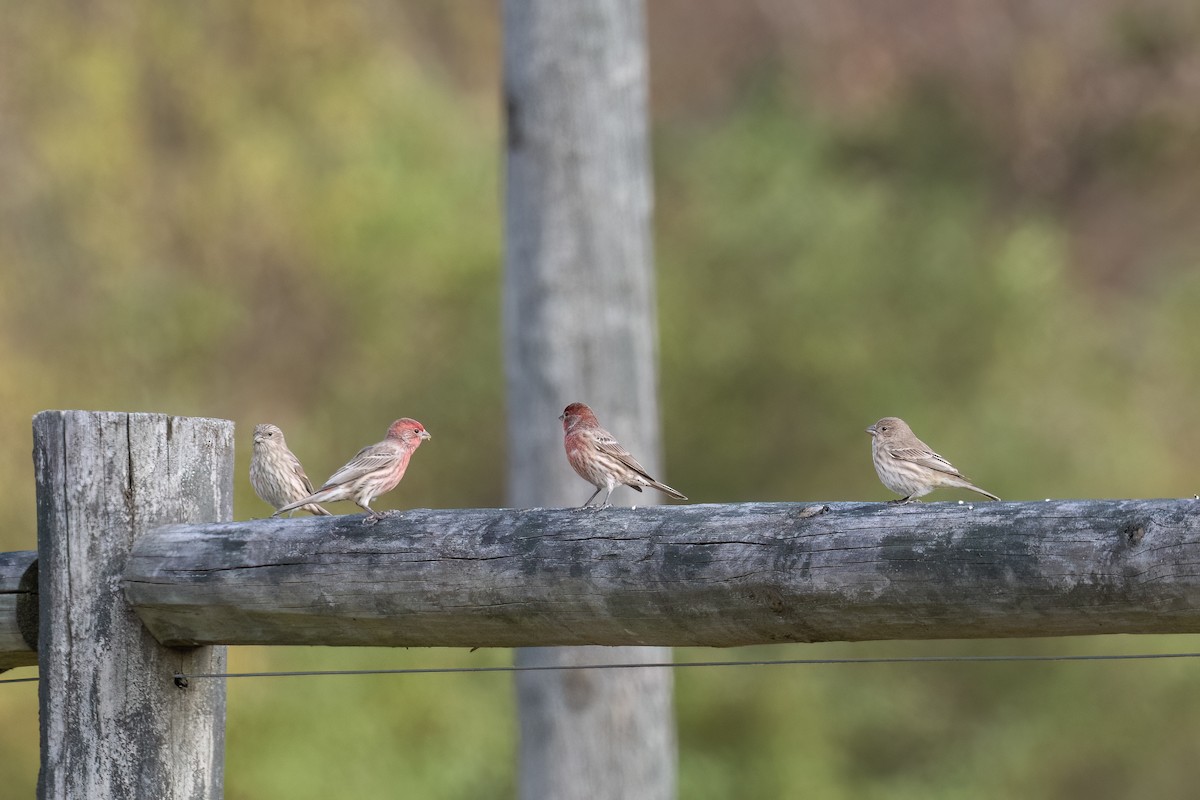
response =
{"points": [[610, 491], [587, 502], [372, 516]]}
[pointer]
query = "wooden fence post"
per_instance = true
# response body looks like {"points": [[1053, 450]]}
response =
{"points": [[113, 722]]}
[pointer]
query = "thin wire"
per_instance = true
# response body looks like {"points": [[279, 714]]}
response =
{"points": [[182, 678]]}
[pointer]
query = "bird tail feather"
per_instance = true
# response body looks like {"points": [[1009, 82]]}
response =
{"points": [[667, 490]]}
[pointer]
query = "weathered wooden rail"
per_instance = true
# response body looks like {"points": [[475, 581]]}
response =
{"points": [[18, 609], [699, 575], [704, 575]]}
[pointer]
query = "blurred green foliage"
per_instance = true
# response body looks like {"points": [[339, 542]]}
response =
{"points": [[289, 213]]}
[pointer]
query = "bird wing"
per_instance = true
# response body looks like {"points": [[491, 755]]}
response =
{"points": [[369, 459], [295, 466], [926, 458], [606, 443]]}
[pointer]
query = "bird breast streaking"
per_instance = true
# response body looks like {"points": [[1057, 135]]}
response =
{"points": [[276, 474]]}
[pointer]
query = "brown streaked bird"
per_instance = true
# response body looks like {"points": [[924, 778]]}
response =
{"points": [[376, 469], [600, 459], [276, 473], [908, 466]]}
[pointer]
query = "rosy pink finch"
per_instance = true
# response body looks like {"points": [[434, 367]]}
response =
{"points": [[376, 469], [275, 472], [908, 466], [600, 459]]}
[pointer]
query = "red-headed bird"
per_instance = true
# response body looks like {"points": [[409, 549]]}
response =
{"points": [[376, 469], [276, 473], [908, 466], [600, 459]]}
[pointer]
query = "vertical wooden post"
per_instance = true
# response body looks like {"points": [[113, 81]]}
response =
{"points": [[580, 325], [113, 722]]}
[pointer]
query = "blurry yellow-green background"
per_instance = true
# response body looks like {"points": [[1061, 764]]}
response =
{"points": [[981, 216]]}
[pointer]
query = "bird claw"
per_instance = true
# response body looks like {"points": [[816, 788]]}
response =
{"points": [[371, 519]]}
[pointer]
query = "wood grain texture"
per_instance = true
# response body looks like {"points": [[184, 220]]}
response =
{"points": [[113, 724], [18, 609], [704, 575]]}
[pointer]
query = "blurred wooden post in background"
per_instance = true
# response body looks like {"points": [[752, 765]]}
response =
{"points": [[113, 723], [580, 325]]}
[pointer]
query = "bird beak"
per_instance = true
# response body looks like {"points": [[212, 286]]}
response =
{"points": [[871, 430], [258, 439], [562, 416], [425, 435]]}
